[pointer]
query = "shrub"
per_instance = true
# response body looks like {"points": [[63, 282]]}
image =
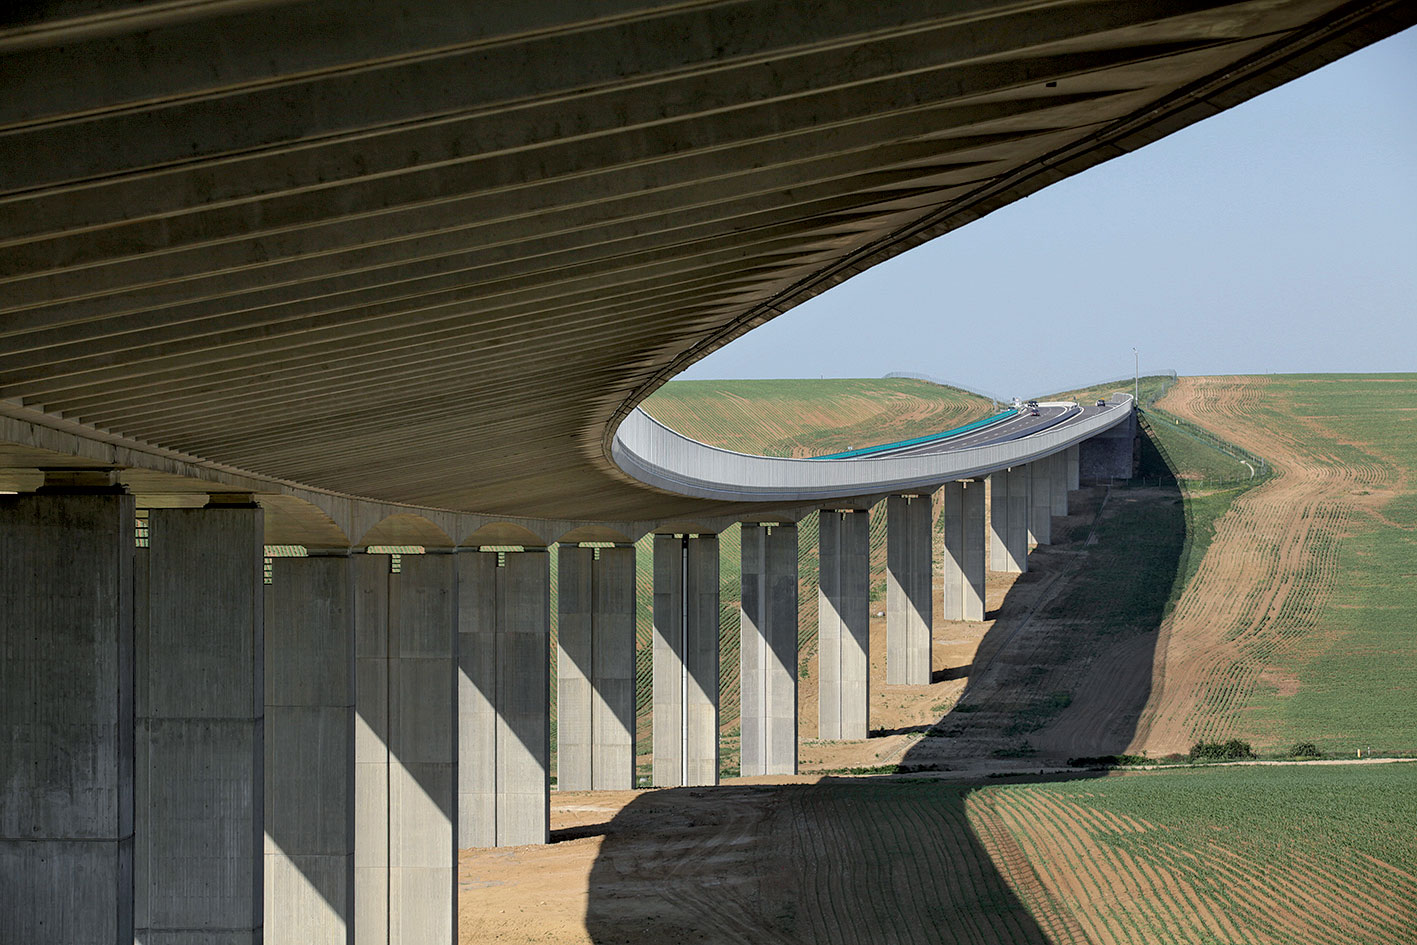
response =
{"points": [[1232, 750], [1305, 750]]}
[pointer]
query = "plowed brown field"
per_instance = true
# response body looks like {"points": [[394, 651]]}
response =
{"points": [[1267, 575]]}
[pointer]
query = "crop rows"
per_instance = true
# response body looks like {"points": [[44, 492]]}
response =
{"points": [[1242, 859]]}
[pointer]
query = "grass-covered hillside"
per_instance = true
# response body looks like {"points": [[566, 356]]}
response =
{"points": [[811, 417]]}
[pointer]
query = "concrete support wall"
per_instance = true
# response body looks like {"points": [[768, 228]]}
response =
{"points": [[769, 649], [1070, 463], [1040, 519], [595, 702], [1111, 454], [504, 698], [199, 745], [1058, 482], [309, 793], [909, 589], [844, 625], [1008, 520], [406, 739], [964, 562], [66, 719], [686, 647]]}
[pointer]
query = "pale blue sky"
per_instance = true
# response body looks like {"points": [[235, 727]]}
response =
{"points": [[1280, 236]]}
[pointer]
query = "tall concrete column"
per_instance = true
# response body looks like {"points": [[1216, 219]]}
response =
{"points": [[686, 647], [964, 550], [423, 743], [909, 589], [1008, 520], [1058, 482], [66, 718], [199, 748], [406, 737], [1040, 502], [844, 624], [309, 810], [504, 698], [1070, 462], [371, 577], [595, 701], [768, 649]]}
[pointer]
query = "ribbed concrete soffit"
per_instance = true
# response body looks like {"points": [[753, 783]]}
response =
{"points": [[432, 253]]}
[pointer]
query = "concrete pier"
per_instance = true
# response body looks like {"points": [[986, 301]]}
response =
{"points": [[964, 563], [309, 712], [909, 590], [1008, 520], [1040, 502], [1070, 462], [768, 649], [844, 624], [199, 753], [406, 761], [504, 698], [686, 647], [66, 718], [595, 702], [1058, 483]]}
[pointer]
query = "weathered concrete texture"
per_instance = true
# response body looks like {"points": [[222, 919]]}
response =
{"points": [[844, 624], [1111, 454], [595, 702], [1008, 520], [768, 649], [199, 746], [685, 654], [504, 699], [1058, 483], [66, 719], [371, 749], [423, 746], [1070, 465], [309, 810], [964, 563], [1040, 503], [909, 587]]}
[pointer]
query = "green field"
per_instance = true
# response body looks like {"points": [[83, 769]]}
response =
{"points": [[812, 417], [1349, 642]]}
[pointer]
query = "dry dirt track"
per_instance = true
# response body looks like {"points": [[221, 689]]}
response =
{"points": [[1268, 572]]}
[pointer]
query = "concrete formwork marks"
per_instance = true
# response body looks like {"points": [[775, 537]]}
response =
{"points": [[199, 746], [66, 719], [310, 770]]}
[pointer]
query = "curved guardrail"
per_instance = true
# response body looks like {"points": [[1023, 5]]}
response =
{"points": [[656, 455]]}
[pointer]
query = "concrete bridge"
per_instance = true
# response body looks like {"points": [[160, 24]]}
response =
{"points": [[368, 277]]}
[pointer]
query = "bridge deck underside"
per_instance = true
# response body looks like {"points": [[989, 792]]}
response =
{"points": [[432, 255]]}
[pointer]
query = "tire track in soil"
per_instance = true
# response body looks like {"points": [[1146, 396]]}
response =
{"points": [[1267, 575]]}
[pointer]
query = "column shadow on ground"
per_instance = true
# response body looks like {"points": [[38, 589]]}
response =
{"points": [[901, 859]]}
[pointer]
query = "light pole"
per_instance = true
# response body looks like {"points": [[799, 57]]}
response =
{"points": [[1136, 378]]}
